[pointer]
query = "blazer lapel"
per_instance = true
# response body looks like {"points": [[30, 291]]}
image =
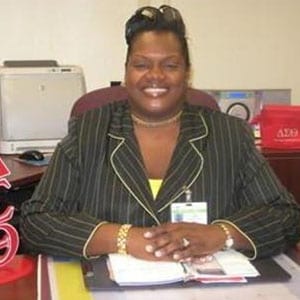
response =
{"points": [[127, 163], [187, 161]]}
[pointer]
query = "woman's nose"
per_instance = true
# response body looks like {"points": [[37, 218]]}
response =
{"points": [[156, 72]]}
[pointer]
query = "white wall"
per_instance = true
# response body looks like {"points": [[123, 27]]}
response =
{"points": [[88, 33], [245, 43], [234, 43]]}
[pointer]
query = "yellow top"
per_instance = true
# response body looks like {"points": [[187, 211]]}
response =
{"points": [[155, 186]]}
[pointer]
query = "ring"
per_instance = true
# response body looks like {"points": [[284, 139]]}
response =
{"points": [[185, 242]]}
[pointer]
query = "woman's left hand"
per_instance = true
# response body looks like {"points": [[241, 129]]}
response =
{"points": [[184, 241]]}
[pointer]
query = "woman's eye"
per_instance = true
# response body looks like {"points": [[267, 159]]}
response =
{"points": [[172, 66], [140, 66]]}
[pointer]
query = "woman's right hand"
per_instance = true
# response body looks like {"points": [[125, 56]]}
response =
{"points": [[137, 243], [141, 245]]}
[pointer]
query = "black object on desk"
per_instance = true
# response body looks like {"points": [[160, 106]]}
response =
{"points": [[32, 155], [33, 162]]}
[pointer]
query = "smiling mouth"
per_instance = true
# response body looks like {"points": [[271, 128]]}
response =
{"points": [[155, 92]]}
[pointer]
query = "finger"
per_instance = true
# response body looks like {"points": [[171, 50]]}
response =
{"points": [[202, 259], [154, 232], [188, 253], [168, 247], [183, 255], [157, 243]]}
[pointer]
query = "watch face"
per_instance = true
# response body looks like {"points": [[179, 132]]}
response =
{"points": [[229, 243], [239, 110]]}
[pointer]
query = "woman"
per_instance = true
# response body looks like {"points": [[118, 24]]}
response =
{"points": [[113, 182]]}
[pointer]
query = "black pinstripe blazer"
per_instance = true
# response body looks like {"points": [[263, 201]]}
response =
{"points": [[97, 173]]}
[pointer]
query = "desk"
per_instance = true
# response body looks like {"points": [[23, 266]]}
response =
{"points": [[23, 179], [286, 164], [22, 174], [22, 289], [26, 288]]}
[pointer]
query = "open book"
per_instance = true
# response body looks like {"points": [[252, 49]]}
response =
{"points": [[226, 266]]}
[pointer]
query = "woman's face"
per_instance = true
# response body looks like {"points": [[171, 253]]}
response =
{"points": [[156, 75]]}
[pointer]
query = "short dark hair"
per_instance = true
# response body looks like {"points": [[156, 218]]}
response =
{"points": [[164, 18]]}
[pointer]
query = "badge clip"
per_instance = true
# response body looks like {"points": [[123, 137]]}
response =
{"points": [[188, 196]]}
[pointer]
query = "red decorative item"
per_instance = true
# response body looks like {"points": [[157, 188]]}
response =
{"points": [[12, 267], [10, 239], [279, 126], [4, 171]]}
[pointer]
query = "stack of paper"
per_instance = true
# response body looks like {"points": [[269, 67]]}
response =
{"points": [[226, 266]]}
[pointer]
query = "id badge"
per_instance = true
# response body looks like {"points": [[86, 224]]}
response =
{"points": [[195, 212]]}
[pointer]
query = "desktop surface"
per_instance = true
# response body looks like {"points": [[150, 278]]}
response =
{"points": [[22, 174], [257, 291], [96, 277], [26, 288]]}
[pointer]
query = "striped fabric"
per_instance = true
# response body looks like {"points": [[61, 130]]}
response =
{"points": [[97, 174]]}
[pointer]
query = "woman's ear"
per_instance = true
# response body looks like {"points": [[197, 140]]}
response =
{"points": [[189, 78]]}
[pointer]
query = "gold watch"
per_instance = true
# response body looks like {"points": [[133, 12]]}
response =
{"points": [[229, 242]]}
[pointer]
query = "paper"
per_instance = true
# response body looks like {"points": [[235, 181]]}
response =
{"points": [[61, 272], [226, 266], [127, 270]]}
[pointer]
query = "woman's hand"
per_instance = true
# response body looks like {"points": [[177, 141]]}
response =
{"points": [[183, 241], [137, 244], [169, 241]]}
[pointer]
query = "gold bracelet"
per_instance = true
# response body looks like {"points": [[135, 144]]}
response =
{"points": [[122, 238]]}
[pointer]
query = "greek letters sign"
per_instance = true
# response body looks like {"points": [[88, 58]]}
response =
{"points": [[280, 126], [287, 133], [9, 242]]}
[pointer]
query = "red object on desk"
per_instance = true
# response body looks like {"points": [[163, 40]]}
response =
{"points": [[11, 267], [279, 126], [4, 171], [19, 267], [10, 239]]}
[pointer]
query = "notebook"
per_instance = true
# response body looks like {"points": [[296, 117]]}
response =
{"points": [[96, 276]]}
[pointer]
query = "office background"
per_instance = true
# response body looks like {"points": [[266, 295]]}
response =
{"points": [[235, 44]]}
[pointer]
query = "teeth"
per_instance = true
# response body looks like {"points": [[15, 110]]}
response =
{"points": [[155, 92]]}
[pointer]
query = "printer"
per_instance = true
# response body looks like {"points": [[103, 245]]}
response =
{"points": [[35, 105]]}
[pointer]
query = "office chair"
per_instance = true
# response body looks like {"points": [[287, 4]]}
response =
{"points": [[106, 95]]}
